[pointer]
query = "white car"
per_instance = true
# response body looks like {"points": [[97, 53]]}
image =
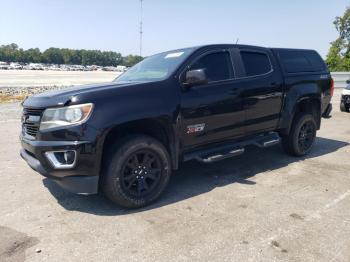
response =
{"points": [[4, 66], [34, 66], [345, 98], [16, 66], [121, 68]]}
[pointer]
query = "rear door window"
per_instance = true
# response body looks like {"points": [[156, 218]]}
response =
{"points": [[255, 63]]}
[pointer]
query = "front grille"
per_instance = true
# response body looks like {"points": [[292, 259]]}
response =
{"points": [[32, 111], [31, 121], [31, 129]]}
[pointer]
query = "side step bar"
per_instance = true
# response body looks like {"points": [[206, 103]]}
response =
{"points": [[220, 156], [221, 152]]}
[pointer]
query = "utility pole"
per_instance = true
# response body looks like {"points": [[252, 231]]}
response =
{"points": [[141, 26]]}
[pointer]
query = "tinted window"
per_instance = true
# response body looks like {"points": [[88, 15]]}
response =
{"points": [[315, 60], [255, 63], [217, 66], [296, 61]]}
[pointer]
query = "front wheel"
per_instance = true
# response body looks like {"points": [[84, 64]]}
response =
{"points": [[137, 172], [302, 135]]}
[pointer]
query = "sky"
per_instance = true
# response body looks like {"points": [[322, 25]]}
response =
{"points": [[114, 24]]}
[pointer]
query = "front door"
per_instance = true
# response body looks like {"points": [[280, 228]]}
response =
{"points": [[212, 112]]}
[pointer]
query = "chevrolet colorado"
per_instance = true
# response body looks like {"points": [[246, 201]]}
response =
{"points": [[204, 103]]}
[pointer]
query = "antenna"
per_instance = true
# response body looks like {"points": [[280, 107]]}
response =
{"points": [[141, 25]]}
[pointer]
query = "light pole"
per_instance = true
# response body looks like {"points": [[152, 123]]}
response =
{"points": [[141, 26]]}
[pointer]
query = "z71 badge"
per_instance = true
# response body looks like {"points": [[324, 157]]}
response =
{"points": [[195, 128]]}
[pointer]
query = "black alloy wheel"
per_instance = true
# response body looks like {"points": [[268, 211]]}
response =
{"points": [[141, 173], [301, 136], [137, 169], [306, 136]]}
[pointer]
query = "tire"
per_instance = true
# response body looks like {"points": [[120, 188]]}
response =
{"points": [[302, 135], [136, 172], [342, 107]]}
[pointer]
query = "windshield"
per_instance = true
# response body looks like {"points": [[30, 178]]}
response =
{"points": [[156, 67]]}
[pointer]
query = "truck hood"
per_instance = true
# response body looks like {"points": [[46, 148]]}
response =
{"points": [[66, 96]]}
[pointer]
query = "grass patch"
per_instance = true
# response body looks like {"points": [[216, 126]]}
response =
{"points": [[5, 98]]}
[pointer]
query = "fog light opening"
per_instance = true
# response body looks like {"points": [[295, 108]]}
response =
{"points": [[69, 157], [62, 159]]}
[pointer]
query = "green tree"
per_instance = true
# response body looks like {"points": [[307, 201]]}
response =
{"points": [[53, 56], [334, 58], [33, 55], [8, 53], [338, 57], [131, 60], [12, 53]]}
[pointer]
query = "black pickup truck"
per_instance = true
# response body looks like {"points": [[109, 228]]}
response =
{"points": [[205, 103]]}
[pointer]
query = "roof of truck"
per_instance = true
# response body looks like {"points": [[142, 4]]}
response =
{"points": [[195, 48], [254, 46], [241, 46]]}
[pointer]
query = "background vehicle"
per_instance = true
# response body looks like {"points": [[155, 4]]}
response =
{"points": [[204, 103], [16, 66], [4, 66], [121, 68], [34, 66], [345, 98]]}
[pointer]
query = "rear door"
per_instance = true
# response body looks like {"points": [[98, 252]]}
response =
{"points": [[212, 112], [262, 84]]}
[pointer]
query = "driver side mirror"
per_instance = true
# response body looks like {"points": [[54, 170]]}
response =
{"points": [[348, 81], [196, 77]]}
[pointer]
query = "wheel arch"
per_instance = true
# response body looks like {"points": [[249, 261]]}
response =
{"points": [[159, 129], [306, 104]]}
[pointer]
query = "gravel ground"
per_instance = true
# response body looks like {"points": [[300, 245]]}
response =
{"points": [[261, 206]]}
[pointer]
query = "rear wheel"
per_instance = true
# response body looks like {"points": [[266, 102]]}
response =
{"points": [[302, 135], [137, 172]]}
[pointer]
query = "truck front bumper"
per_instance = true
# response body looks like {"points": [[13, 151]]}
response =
{"points": [[81, 179]]}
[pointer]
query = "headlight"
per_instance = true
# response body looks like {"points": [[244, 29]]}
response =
{"points": [[65, 116]]}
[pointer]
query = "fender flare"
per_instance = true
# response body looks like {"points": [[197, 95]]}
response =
{"points": [[292, 103]]}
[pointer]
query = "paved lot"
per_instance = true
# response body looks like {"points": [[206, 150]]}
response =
{"points": [[261, 206], [24, 78]]}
